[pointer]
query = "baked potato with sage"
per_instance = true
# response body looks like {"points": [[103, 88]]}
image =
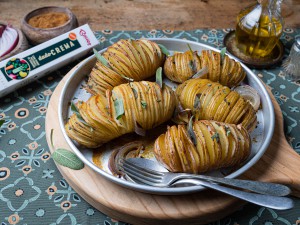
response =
{"points": [[135, 106], [209, 64], [202, 146], [212, 101], [133, 60]]}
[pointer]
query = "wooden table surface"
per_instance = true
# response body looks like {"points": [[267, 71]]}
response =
{"points": [[148, 14]]}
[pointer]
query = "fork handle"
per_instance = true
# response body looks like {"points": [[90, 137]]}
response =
{"points": [[274, 202], [255, 186]]}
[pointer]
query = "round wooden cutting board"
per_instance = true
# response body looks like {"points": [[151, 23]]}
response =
{"points": [[280, 163]]}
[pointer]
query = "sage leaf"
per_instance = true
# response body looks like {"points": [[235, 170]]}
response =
{"points": [[227, 129], [191, 65], [135, 93], [75, 110], [85, 123], [159, 77], [200, 73], [126, 78], [1, 122], [164, 49], [222, 53], [197, 103], [191, 131], [144, 104], [228, 132], [51, 138], [139, 130], [67, 158], [190, 48], [216, 136], [101, 58], [119, 108]]}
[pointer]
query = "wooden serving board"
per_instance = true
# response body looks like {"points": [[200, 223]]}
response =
{"points": [[280, 164]]}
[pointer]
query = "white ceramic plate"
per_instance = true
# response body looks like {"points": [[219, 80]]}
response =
{"points": [[261, 136]]}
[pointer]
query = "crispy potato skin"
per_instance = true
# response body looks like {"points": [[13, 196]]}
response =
{"points": [[218, 145], [135, 59], [145, 103], [182, 66], [216, 102]]}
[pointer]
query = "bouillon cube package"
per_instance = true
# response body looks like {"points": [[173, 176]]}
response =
{"points": [[44, 58]]}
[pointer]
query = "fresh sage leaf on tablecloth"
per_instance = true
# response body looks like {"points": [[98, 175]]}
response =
{"points": [[164, 49], [159, 77], [1, 122], [119, 108], [67, 158]]}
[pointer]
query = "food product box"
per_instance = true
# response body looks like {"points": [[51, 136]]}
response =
{"points": [[42, 59]]}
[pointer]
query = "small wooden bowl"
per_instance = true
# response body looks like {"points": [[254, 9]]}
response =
{"points": [[20, 47], [39, 35]]}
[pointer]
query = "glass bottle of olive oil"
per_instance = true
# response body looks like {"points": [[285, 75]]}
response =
{"points": [[259, 27]]}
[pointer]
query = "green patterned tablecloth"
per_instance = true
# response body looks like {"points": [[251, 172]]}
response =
{"points": [[32, 191]]}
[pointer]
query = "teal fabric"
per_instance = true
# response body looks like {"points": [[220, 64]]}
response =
{"points": [[32, 191]]}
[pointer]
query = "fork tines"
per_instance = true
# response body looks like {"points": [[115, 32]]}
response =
{"points": [[140, 174]]}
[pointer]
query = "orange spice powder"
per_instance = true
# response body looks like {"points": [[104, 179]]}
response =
{"points": [[48, 20]]}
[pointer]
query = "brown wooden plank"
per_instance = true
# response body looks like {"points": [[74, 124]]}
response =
{"points": [[148, 14]]}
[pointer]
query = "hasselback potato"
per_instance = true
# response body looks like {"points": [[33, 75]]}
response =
{"points": [[211, 101], [182, 66], [211, 146], [141, 105], [133, 59]]}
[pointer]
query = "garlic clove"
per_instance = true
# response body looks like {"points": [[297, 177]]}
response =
{"points": [[250, 94]]}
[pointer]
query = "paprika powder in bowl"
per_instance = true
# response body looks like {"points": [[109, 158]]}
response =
{"points": [[45, 23]]}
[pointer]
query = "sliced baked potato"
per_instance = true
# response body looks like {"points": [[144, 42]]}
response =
{"points": [[142, 105], [211, 101], [215, 145], [126, 59], [182, 66]]}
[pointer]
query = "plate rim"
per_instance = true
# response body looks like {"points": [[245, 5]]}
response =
{"points": [[170, 190]]}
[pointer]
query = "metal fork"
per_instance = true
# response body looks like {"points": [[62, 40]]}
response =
{"points": [[151, 173], [165, 179]]}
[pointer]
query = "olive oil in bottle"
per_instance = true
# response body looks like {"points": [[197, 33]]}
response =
{"points": [[259, 28]]}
